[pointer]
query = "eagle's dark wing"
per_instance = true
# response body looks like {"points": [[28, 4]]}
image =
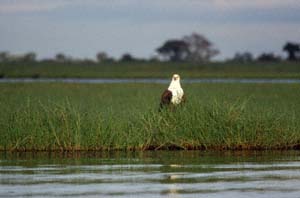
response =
{"points": [[165, 98]]}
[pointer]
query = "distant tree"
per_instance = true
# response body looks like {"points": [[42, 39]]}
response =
{"points": [[268, 57], [110, 59], [154, 59], [87, 61], [243, 57], [101, 57], [127, 58], [292, 49], [29, 57], [174, 50], [4, 56], [60, 57], [200, 49], [194, 48]]}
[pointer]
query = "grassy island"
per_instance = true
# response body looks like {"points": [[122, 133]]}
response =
{"points": [[68, 117]]}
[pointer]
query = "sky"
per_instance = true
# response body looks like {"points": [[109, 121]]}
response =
{"points": [[81, 28]]}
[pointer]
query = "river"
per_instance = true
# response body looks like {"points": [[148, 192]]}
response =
{"points": [[151, 174]]}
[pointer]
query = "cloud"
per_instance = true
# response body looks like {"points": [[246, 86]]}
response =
{"points": [[25, 6], [269, 4], [17, 6]]}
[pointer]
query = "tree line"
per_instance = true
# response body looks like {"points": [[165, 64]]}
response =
{"points": [[194, 48]]}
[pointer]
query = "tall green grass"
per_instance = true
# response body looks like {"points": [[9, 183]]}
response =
{"points": [[126, 117]]}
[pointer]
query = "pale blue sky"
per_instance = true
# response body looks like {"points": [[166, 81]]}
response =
{"points": [[81, 28]]}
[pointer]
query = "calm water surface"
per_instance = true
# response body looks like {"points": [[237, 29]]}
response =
{"points": [[151, 174]]}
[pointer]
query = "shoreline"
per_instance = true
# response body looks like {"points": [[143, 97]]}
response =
{"points": [[241, 148]]}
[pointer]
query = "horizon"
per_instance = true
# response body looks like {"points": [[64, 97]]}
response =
{"points": [[81, 29]]}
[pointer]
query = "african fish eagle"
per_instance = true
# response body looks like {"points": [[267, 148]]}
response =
{"points": [[174, 95]]}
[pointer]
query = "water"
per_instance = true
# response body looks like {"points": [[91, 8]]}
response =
{"points": [[146, 80], [151, 174]]}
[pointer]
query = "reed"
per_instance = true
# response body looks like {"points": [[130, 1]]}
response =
{"points": [[68, 117]]}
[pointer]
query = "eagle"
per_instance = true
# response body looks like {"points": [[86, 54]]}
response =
{"points": [[174, 95]]}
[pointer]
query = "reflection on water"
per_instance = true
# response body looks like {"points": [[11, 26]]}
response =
{"points": [[151, 174]]}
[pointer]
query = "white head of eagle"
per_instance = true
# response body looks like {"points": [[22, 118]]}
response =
{"points": [[174, 95]]}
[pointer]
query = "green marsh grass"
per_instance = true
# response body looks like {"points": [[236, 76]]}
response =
{"points": [[66, 117]]}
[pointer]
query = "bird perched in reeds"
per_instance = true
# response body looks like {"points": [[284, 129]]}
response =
{"points": [[174, 95]]}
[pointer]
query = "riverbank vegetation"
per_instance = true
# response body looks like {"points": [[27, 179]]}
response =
{"points": [[69, 117], [148, 69]]}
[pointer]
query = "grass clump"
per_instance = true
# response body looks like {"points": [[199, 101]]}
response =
{"points": [[68, 117]]}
